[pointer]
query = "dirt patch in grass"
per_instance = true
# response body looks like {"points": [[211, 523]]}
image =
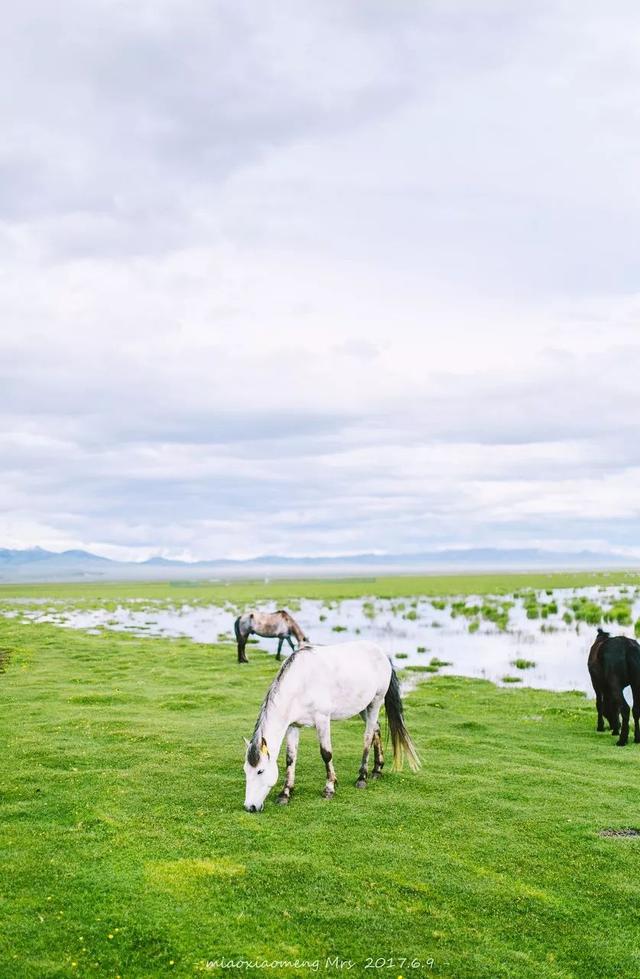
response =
{"points": [[624, 831]]}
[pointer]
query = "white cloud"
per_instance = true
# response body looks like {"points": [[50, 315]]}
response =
{"points": [[347, 278]]}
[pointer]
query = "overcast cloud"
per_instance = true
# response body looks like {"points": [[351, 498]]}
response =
{"points": [[320, 277]]}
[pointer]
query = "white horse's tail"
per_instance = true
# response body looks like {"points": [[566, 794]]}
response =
{"points": [[400, 738]]}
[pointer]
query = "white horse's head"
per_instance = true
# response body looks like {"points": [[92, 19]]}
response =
{"points": [[261, 773]]}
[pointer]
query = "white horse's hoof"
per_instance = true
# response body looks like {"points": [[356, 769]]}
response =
{"points": [[328, 793]]}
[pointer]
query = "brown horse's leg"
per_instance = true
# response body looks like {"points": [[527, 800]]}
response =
{"points": [[242, 642], [280, 641]]}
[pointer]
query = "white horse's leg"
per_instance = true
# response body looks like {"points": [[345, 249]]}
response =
{"points": [[323, 727], [378, 752], [371, 726], [293, 737]]}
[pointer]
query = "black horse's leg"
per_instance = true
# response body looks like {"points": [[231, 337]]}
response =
{"points": [[293, 737], [323, 727], [280, 641], [636, 714], [599, 707], [623, 707], [611, 712], [242, 642]]}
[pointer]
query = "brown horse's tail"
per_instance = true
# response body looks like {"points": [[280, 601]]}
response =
{"points": [[236, 629], [400, 737]]}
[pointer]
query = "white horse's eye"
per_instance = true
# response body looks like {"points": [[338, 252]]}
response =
{"points": [[261, 772]]}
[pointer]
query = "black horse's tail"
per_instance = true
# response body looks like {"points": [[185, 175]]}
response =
{"points": [[400, 738]]}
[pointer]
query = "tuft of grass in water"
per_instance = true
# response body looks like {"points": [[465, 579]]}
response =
{"points": [[125, 849], [497, 613], [512, 679], [369, 610], [473, 626], [434, 661], [586, 610], [523, 664], [339, 628], [461, 608], [423, 649], [401, 656], [620, 612]]}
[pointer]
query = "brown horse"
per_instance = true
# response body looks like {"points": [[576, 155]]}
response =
{"points": [[270, 625]]}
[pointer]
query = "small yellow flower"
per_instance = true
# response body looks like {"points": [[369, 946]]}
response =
{"points": [[110, 936]]}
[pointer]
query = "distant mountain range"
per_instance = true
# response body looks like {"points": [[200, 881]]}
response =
{"points": [[37, 564]]}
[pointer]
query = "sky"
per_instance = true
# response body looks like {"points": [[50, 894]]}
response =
{"points": [[319, 278]]}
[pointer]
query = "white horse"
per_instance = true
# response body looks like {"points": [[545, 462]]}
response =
{"points": [[315, 685]]}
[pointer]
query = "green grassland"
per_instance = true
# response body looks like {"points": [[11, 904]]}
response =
{"points": [[125, 850], [280, 590]]}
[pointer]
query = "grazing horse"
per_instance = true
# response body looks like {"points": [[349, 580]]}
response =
{"points": [[614, 663], [269, 625], [315, 685]]}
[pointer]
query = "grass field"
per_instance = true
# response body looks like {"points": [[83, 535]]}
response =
{"points": [[279, 590], [125, 851]]}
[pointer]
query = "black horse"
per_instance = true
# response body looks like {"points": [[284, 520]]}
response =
{"points": [[614, 663]]}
